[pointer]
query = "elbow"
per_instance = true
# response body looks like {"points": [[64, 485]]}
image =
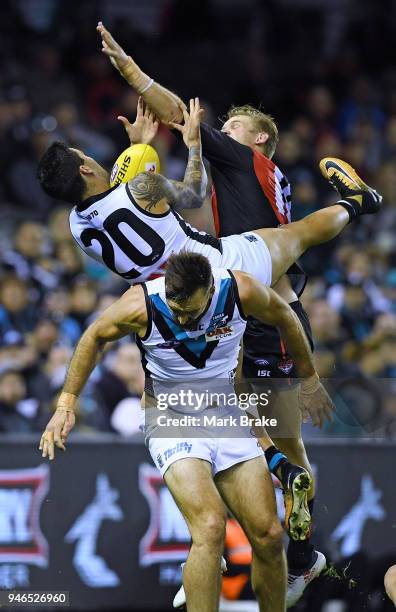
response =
{"points": [[94, 337], [188, 200]]}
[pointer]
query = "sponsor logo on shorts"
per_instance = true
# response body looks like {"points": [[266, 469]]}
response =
{"points": [[160, 461], [286, 365], [262, 362], [250, 237], [181, 447]]}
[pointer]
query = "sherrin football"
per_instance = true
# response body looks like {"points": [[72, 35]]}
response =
{"points": [[135, 159]]}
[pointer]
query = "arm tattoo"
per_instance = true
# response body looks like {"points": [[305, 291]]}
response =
{"points": [[152, 188], [192, 191], [147, 187], [195, 175]]}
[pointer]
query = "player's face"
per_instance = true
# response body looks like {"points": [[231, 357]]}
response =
{"points": [[242, 129], [93, 165], [188, 312]]}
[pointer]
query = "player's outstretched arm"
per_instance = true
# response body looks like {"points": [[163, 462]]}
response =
{"points": [[145, 127], [166, 105], [267, 306], [126, 315], [151, 191], [195, 176]]}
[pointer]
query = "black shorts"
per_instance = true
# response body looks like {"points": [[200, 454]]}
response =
{"points": [[264, 354]]}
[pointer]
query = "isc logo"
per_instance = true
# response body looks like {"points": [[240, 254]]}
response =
{"points": [[264, 373]]}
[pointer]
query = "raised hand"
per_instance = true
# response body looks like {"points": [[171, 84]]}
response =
{"points": [[191, 126], [112, 49], [145, 126]]}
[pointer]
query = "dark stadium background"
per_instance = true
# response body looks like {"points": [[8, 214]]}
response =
{"points": [[326, 70]]}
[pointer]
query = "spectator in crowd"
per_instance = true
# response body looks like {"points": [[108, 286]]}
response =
{"points": [[16, 309], [120, 387], [18, 413]]}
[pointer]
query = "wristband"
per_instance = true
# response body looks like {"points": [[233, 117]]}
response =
{"points": [[311, 384], [149, 84]]}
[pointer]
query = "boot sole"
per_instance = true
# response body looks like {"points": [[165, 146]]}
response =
{"points": [[297, 516]]}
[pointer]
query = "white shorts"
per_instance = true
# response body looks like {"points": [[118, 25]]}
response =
{"points": [[221, 453], [249, 253]]}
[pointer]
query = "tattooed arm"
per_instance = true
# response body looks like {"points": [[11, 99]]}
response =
{"points": [[155, 193]]}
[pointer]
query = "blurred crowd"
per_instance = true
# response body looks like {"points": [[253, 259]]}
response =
{"points": [[332, 93]]}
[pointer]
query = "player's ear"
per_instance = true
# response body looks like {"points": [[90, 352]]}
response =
{"points": [[261, 138], [86, 170]]}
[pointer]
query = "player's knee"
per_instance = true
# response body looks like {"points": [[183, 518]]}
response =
{"points": [[210, 529], [267, 541]]}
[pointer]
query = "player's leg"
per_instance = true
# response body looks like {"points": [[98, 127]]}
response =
{"points": [[298, 488], [248, 491], [191, 483], [301, 555], [287, 243], [269, 371], [295, 479]]}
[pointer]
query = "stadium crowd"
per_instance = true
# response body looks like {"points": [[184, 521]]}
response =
{"points": [[58, 86]]}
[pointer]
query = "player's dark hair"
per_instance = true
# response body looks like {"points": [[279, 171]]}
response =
{"points": [[59, 173], [264, 122], [185, 273]]}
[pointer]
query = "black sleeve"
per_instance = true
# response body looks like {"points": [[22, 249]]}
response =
{"points": [[218, 148]]}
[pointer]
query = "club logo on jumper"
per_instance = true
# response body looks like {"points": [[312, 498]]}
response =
{"points": [[286, 365], [262, 362], [250, 237], [167, 538], [219, 333], [349, 532], [92, 568], [219, 320], [151, 167], [21, 496], [181, 447], [169, 344]]}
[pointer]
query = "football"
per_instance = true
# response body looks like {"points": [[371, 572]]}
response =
{"points": [[135, 159]]}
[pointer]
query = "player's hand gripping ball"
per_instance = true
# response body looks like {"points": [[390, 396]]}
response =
{"points": [[135, 159]]}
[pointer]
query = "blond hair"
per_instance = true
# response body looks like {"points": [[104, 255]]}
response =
{"points": [[263, 122]]}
